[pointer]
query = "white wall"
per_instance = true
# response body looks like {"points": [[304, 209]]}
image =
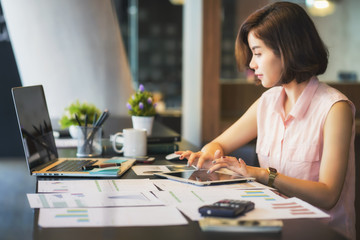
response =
{"points": [[73, 48], [192, 72], [341, 33]]}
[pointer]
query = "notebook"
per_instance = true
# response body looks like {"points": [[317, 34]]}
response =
{"points": [[39, 144]]}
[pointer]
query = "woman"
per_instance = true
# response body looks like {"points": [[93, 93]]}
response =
{"points": [[305, 129]]}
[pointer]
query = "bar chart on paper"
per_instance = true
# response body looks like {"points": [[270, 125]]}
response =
{"points": [[284, 209], [66, 200], [73, 215], [102, 217], [77, 186], [258, 194], [91, 186], [295, 208]]}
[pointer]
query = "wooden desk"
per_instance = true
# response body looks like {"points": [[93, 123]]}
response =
{"points": [[18, 183]]}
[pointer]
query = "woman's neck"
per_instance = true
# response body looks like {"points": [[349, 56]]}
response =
{"points": [[293, 91]]}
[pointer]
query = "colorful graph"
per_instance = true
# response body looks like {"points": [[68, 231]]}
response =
{"points": [[80, 215], [293, 207], [59, 187], [257, 194]]}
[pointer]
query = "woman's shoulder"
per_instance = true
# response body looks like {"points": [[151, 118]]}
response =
{"points": [[331, 95]]}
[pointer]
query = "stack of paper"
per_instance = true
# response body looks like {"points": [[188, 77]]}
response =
{"points": [[95, 203], [145, 202]]}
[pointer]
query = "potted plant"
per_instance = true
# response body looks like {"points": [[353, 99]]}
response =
{"points": [[141, 107], [77, 114]]}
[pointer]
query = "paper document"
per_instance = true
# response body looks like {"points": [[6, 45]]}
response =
{"points": [[110, 217], [168, 185], [92, 186], [66, 200], [151, 169], [268, 205], [208, 195], [285, 209], [189, 200], [251, 185]]}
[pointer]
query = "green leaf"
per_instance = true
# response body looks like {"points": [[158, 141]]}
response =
{"points": [[81, 109]]}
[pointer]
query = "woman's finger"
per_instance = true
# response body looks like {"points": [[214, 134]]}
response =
{"points": [[225, 159], [193, 157], [184, 154], [243, 167], [204, 161], [217, 167], [242, 163], [180, 153]]}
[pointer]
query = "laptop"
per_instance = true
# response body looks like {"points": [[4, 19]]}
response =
{"points": [[39, 144]]}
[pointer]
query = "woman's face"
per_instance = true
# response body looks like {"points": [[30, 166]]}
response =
{"points": [[264, 62]]}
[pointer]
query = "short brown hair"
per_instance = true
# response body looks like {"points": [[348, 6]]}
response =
{"points": [[288, 30]]}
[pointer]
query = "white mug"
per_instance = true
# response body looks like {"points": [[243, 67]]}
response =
{"points": [[134, 142]]}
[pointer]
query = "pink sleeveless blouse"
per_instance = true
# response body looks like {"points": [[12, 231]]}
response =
{"points": [[293, 145]]}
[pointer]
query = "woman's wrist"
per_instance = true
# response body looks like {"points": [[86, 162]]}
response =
{"points": [[260, 174]]}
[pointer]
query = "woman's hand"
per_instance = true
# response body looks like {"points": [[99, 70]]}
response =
{"points": [[202, 160], [236, 165]]}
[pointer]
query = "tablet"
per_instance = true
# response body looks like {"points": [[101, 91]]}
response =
{"points": [[202, 178]]}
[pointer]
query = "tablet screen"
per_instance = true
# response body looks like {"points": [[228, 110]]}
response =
{"points": [[201, 177]]}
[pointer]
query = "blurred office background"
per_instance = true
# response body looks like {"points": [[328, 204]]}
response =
{"points": [[100, 51]]}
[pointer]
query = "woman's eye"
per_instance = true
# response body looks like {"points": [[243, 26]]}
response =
{"points": [[257, 54]]}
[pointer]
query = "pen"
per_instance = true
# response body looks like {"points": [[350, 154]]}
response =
{"points": [[105, 165], [94, 119], [102, 118], [98, 123], [86, 120], [77, 119]]}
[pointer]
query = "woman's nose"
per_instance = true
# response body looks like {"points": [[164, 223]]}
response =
{"points": [[252, 64]]}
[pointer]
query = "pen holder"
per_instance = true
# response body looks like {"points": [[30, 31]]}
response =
{"points": [[89, 141]]}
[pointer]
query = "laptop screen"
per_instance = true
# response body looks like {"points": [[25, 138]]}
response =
{"points": [[35, 126]]}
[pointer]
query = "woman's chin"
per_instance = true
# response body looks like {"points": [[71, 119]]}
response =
{"points": [[266, 84]]}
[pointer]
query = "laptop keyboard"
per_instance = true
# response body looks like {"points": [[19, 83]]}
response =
{"points": [[71, 165]]}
